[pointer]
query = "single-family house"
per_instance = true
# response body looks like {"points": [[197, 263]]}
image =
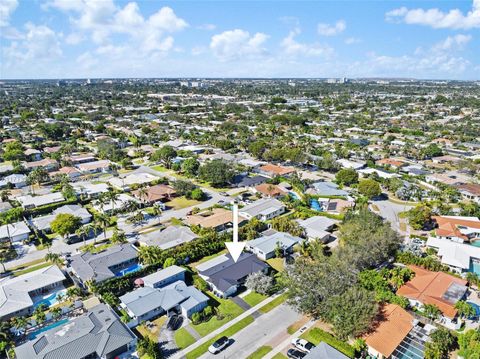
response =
{"points": [[18, 295], [457, 228], [386, 339], [155, 194], [437, 288], [318, 228], [324, 351], [95, 166], [263, 209], [115, 261], [459, 257], [265, 246], [125, 183], [219, 219], [269, 190], [119, 203], [89, 190], [14, 232], [78, 158], [244, 181], [470, 191], [326, 189], [43, 223], [164, 277], [47, 164], [272, 171], [170, 237], [29, 201], [16, 180], [71, 173], [99, 333], [223, 275]]}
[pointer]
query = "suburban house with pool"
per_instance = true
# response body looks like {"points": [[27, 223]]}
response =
{"points": [[20, 295], [99, 333], [224, 276], [397, 335], [457, 229], [436, 288], [459, 257], [115, 261]]}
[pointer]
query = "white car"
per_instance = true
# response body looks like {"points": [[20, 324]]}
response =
{"points": [[303, 345], [219, 345]]}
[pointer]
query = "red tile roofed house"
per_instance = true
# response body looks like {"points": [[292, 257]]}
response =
{"points": [[470, 191], [70, 172], [48, 164], [154, 194], [390, 162], [457, 229], [436, 288], [94, 167], [270, 190], [390, 331], [274, 170]]}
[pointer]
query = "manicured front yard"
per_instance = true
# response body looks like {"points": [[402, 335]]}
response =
{"points": [[183, 338], [227, 309], [273, 304], [317, 335], [260, 352], [279, 356], [31, 269], [154, 332], [181, 202], [200, 350], [253, 298]]}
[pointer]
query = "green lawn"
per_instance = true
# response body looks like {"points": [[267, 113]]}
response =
{"points": [[159, 168], [277, 263], [279, 356], [273, 304], [183, 338], [253, 298], [199, 351], [260, 352], [228, 310], [31, 269], [182, 202], [317, 335]]}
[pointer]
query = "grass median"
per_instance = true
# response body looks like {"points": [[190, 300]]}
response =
{"points": [[260, 352], [273, 304]]}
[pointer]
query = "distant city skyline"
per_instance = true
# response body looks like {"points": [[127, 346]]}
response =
{"points": [[264, 39]]}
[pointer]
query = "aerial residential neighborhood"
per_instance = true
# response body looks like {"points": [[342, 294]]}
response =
{"points": [[239, 180]]}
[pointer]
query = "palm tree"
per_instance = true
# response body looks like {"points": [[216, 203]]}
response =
{"points": [[4, 329], [73, 292], [103, 222], [56, 312], [39, 314], [54, 258], [143, 194], [110, 197], [20, 323], [83, 232]]}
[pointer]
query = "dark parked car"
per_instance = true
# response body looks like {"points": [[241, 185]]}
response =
{"points": [[295, 354]]}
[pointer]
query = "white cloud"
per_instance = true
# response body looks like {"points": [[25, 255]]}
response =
{"points": [[437, 19], [38, 43], [352, 40], [456, 42], [74, 38], [332, 30], [292, 47], [207, 27], [102, 19], [235, 44], [7, 7]]}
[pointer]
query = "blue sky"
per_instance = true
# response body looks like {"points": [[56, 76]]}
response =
{"points": [[116, 38]]}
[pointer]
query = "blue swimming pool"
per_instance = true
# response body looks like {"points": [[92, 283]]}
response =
{"points": [[315, 205], [294, 195], [50, 300], [477, 309], [475, 243], [35, 333], [474, 267], [131, 269]]}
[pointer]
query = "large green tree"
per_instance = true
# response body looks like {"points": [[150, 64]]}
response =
{"points": [[65, 224], [217, 172]]}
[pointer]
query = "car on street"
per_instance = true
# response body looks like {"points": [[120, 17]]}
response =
{"points": [[302, 344], [295, 354], [218, 345]]}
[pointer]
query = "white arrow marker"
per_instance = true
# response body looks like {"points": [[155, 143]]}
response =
{"points": [[235, 248]]}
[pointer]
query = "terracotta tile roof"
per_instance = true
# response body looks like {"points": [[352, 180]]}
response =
{"points": [[430, 287], [156, 193], [391, 162], [472, 188], [392, 329], [218, 217], [270, 190], [276, 170], [448, 226]]}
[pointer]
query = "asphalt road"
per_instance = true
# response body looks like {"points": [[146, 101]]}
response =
{"points": [[261, 332]]}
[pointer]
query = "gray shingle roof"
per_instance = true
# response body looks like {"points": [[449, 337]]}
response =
{"points": [[97, 266], [325, 351], [170, 237], [98, 332]]}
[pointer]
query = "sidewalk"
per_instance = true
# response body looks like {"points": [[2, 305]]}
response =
{"points": [[182, 353]]}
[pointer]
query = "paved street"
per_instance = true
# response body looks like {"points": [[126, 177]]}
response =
{"points": [[390, 210], [259, 333]]}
